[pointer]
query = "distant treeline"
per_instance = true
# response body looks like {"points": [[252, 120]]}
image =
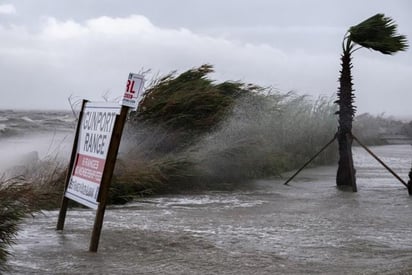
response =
{"points": [[376, 129]]}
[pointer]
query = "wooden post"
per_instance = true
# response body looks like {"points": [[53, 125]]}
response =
{"points": [[309, 161], [380, 161], [107, 177], [65, 201]]}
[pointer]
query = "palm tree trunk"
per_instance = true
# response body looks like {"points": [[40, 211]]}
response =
{"points": [[346, 171]]}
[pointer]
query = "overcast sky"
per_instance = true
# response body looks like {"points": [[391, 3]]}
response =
{"points": [[52, 49]]}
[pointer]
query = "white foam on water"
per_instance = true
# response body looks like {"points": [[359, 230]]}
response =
{"points": [[25, 118], [217, 201]]}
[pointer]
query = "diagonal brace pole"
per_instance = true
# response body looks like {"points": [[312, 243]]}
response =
{"points": [[309, 161], [380, 161]]}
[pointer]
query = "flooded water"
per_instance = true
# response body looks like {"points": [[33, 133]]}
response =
{"points": [[308, 227]]}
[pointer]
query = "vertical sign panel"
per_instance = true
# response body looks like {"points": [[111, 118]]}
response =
{"points": [[95, 133], [134, 91]]}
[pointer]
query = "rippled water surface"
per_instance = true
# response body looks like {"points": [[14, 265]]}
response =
{"points": [[308, 227]]}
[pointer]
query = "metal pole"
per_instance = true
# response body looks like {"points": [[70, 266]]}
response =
{"points": [[65, 201], [107, 177], [309, 161], [380, 161]]}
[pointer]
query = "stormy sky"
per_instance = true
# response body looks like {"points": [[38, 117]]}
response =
{"points": [[51, 50]]}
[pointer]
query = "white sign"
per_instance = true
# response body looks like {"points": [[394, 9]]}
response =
{"points": [[95, 133], [134, 91]]}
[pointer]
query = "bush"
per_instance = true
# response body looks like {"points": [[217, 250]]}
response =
{"points": [[13, 207], [187, 105], [40, 187], [241, 132]]}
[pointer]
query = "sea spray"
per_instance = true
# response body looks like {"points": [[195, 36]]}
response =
{"points": [[266, 135], [29, 136], [263, 135]]}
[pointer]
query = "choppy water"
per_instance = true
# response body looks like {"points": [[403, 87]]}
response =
{"points": [[309, 227], [26, 136], [18, 123]]}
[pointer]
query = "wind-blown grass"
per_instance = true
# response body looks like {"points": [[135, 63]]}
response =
{"points": [[266, 136], [13, 207], [40, 187], [187, 106], [251, 132]]}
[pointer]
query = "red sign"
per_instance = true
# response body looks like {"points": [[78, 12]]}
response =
{"points": [[89, 168]]}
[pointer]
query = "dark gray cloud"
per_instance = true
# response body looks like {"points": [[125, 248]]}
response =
{"points": [[52, 49]]}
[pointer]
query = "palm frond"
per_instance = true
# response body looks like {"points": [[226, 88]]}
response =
{"points": [[378, 33]]}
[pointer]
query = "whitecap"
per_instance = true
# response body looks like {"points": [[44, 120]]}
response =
{"points": [[66, 118], [25, 118]]}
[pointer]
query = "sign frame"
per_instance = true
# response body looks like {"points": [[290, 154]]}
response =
{"points": [[106, 177], [94, 137]]}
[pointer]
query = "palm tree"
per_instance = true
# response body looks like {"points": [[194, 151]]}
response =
{"points": [[377, 33]]}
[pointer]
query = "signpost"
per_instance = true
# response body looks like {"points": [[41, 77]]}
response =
{"points": [[94, 154]]}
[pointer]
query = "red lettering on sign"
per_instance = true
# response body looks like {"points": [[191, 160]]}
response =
{"points": [[89, 168], [130, 86]]}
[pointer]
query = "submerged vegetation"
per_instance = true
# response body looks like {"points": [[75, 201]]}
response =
{"points": [[191, 133], [217, 135]]}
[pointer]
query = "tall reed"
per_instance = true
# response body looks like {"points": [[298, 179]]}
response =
{"points": [[38, 187], [263, 133]]}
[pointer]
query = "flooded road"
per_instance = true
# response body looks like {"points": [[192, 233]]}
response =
{"points": [[308, 227]]}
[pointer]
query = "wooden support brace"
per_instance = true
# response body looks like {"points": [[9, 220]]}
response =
{"points": [[107, 177], [380, 161], [65, 201], [310, 160]]}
